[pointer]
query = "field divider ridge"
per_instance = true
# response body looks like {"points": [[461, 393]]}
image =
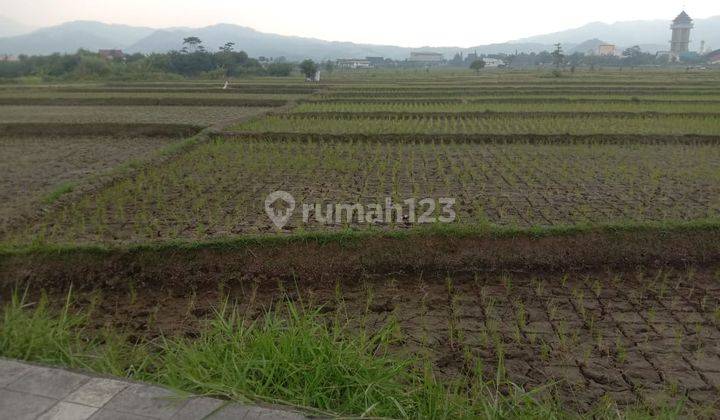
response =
{"points": [[333, 256]]}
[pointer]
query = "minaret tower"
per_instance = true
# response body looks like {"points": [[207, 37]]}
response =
{"points": [[681, 27]]}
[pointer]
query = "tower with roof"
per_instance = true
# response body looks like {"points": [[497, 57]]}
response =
{"points": [[681, 27]]}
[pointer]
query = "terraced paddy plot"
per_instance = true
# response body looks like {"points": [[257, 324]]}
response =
{"points": [[487, 124], [494, 91], [8, 94], [217, 90], [98, 99], [512, 105], [35, 171], [541, 99], [611, 321], [218, 190], [629, 337], [199, 115]]}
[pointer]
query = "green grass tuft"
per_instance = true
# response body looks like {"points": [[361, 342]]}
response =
{"points": [[289, 356], [59, 191]]}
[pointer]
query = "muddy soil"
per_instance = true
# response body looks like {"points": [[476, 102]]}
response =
{"points": [[32, 168], [640, 337], [199, 115], [219, 190]]}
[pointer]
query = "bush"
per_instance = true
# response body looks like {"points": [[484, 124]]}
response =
{"points": [[92, 66], [279, 69]]}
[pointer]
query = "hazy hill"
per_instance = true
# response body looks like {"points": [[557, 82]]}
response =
{"points": [[9, 27], [257, 43], [652, 34], [591, 45], [512, 47], [69, 37]]}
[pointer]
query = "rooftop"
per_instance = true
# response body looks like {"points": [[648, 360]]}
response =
{"points": [[682, 18], [425, 53]]}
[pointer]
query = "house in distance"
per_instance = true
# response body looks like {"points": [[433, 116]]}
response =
{"points": [[426, 58]]}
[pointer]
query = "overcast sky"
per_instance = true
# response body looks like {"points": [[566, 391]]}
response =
{"points": [[411, 23]]}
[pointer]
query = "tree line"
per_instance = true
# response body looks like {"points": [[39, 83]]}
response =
{"points": [[193, 60], [632, 56]]}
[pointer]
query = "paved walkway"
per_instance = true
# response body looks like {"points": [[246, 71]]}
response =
{"points": [[36, 392]]}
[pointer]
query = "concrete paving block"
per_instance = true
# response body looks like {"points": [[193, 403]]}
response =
{"points": [[146, 400], [199, 408], [68, 411], [10, 371], [96, 392], [105, 414], [235, 411], [20, 406], [40, 393], [48, 382]]}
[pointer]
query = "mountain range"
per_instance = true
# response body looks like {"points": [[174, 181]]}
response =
{"points": [[9, 27], [15, 38]]}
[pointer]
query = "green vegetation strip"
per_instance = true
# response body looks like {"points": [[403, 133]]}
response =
{"points": [[517, 107], [506, 92], [219, 89], [539, 139], [493, 114], [290, 356], [351, 236], [512, 100], [489, 124]]}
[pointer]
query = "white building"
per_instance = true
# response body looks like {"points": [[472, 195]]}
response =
{"points": [[493, 62], [606, 49], [426, 57], [353, 63]]}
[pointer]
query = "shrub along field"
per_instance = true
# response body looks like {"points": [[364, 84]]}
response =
{"points": [[579, 278]]}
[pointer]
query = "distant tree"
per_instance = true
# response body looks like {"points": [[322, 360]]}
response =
{"points": [[558, 56], [457, 59], [477, 65], [634, 56], [228, 47], [575, 59], [329, 66], [308, 68], [132, 58], [632, 52], [191, 42], [84, 64], [509, 59], [279, 69], [92, 66]]}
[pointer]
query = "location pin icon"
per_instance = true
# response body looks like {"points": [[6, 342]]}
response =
{"points": [[279, 217]]}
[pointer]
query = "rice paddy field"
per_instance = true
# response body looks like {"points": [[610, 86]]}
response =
{"points": [[579, 276]]}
